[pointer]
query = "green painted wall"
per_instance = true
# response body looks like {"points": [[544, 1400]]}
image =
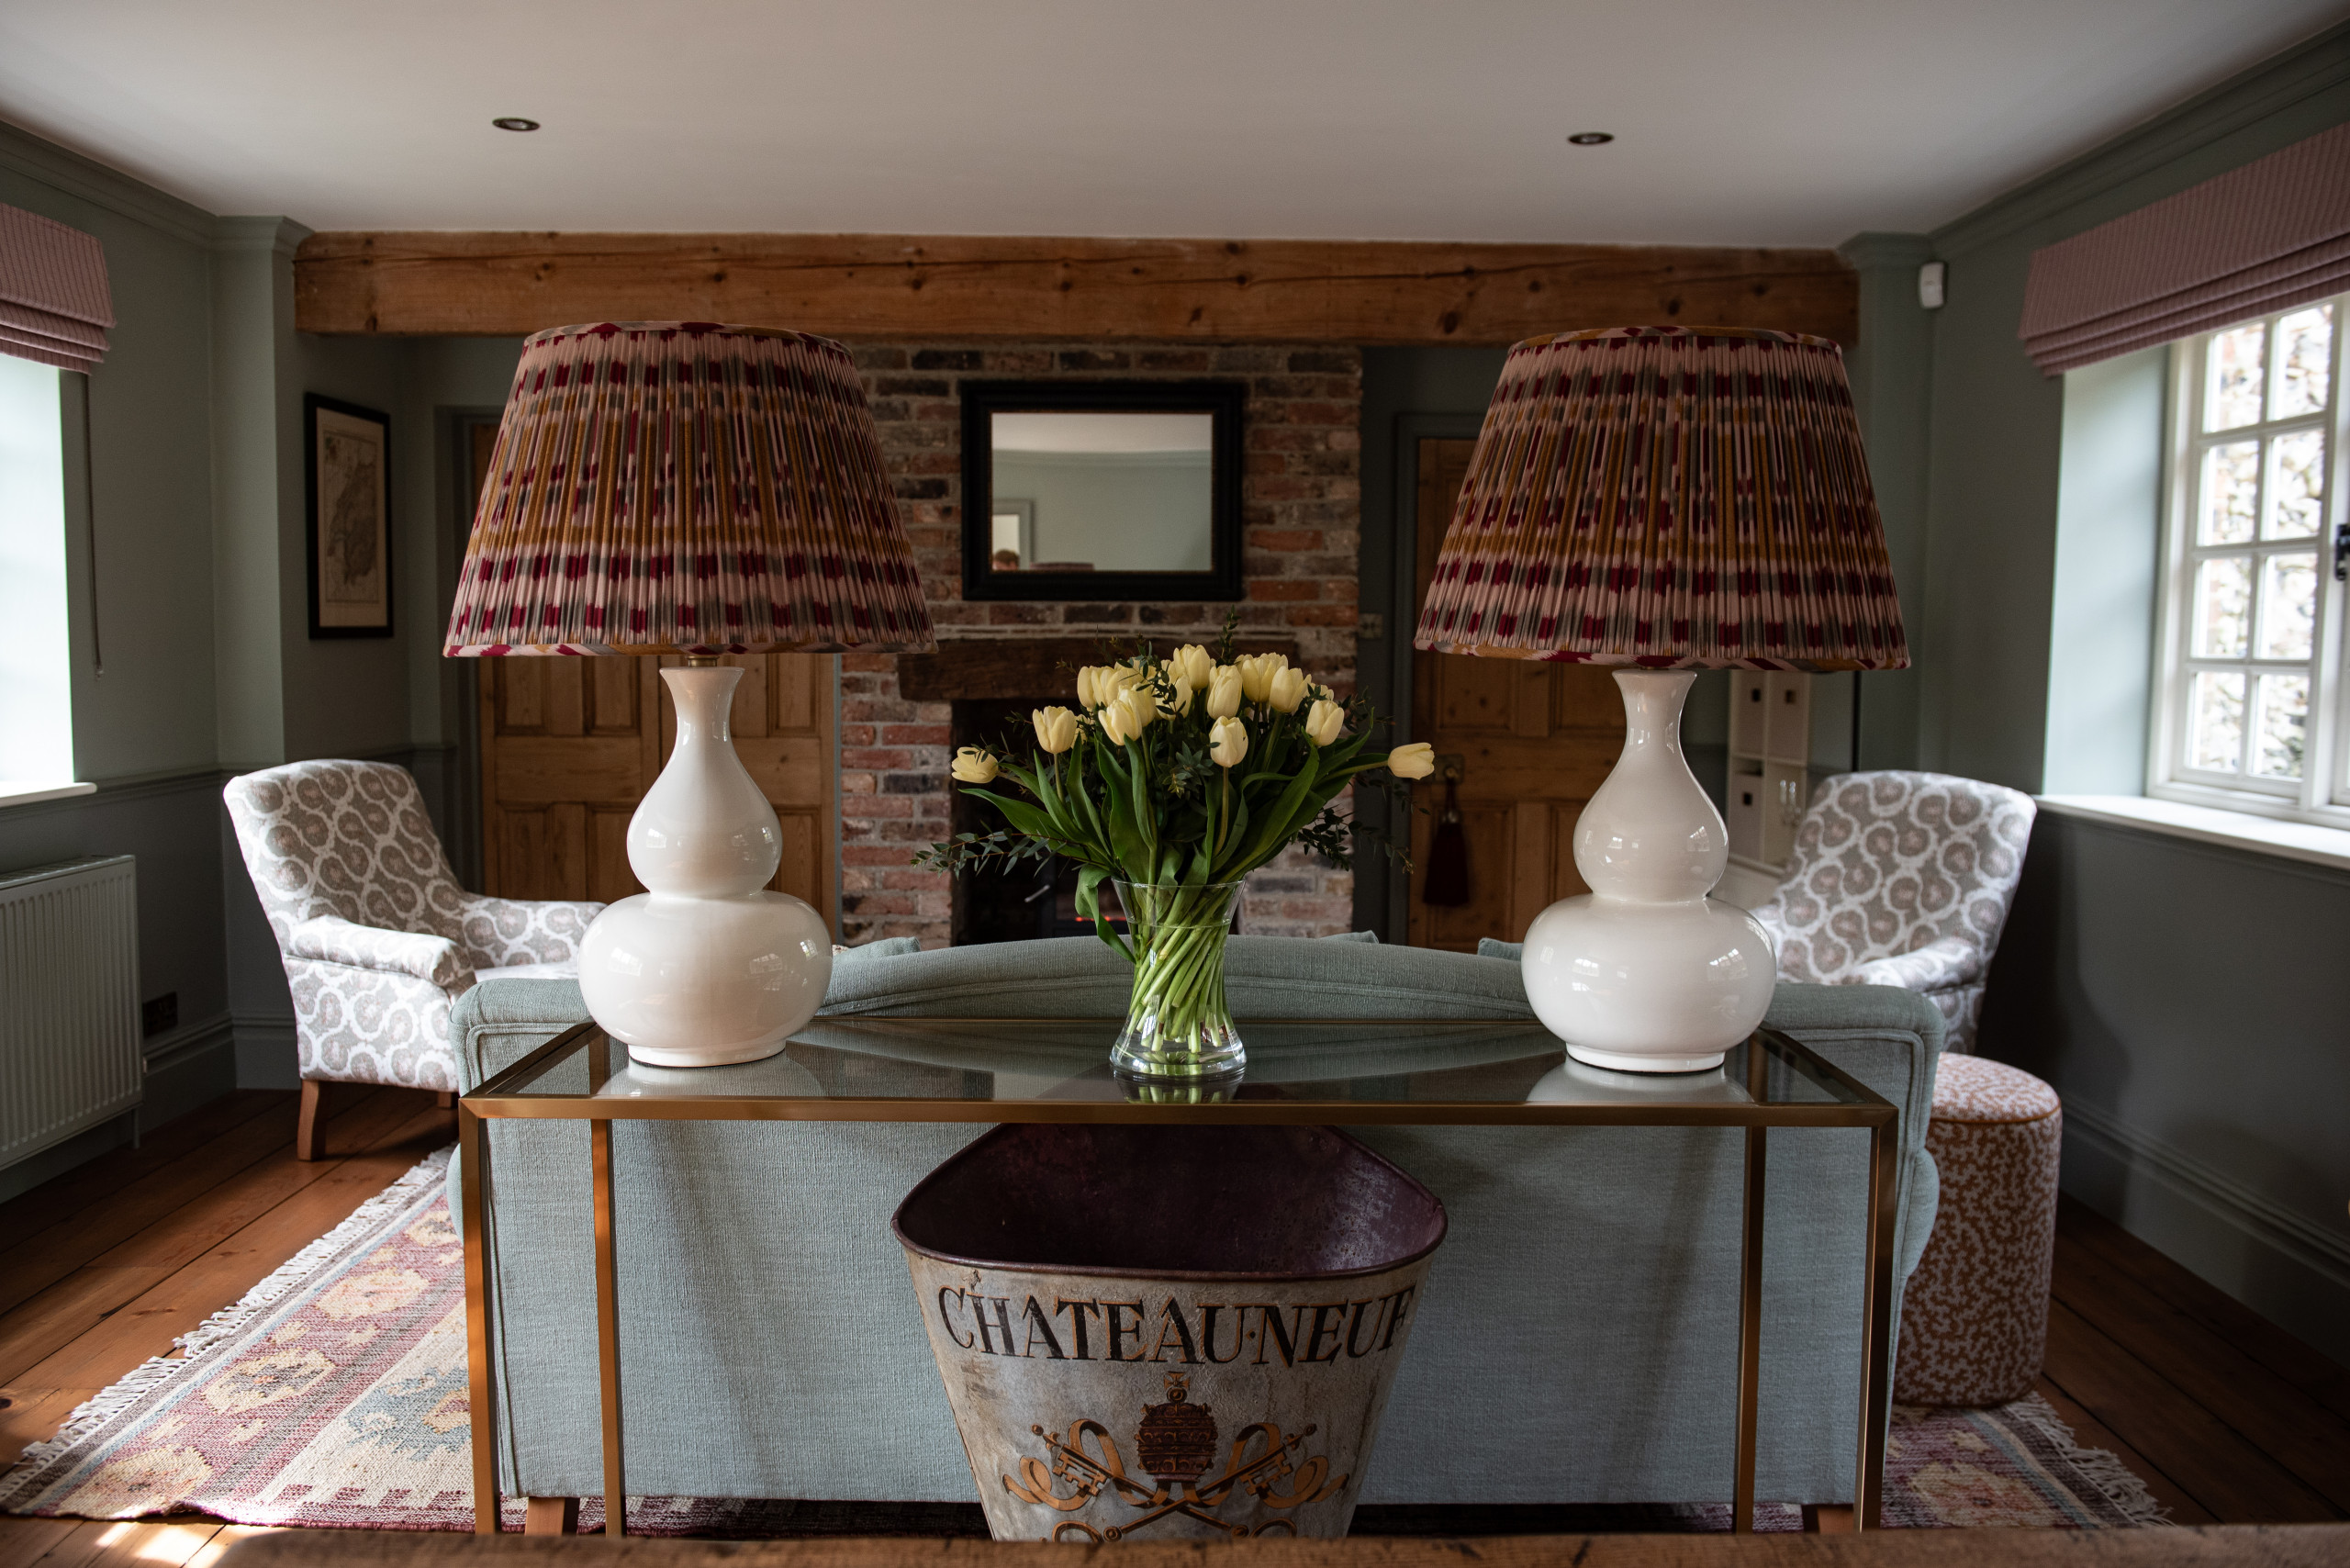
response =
{"points": [[2181, 997], [1891, 370], [152, 712], [199, 599], [255, 500], [145, 729], [349, 696]]}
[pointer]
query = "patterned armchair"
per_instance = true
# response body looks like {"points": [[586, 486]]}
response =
{"points": [[377, 938], [1902, 879]]}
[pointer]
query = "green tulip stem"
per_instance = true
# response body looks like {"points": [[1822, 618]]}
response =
{"points": [[1177, 1023]]}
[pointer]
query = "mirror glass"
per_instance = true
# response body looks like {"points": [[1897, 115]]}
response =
{"points": [[1083, 491]]}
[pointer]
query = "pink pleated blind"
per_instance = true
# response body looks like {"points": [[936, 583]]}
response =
{"points": [[55, 306], [2272, 234]]}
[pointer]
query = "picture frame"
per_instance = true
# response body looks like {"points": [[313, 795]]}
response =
{"points": [[1218, 406], [347, 495]]}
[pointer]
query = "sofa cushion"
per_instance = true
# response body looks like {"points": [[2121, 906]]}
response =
{"points": [[880, 947]]}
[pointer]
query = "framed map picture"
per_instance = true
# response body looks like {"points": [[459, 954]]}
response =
{"points": [[351, 518]]}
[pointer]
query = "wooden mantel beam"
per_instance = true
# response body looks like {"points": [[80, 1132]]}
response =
{"points": [[879, 286]]}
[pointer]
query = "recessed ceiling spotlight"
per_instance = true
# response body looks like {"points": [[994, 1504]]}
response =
{"points": [[514, 122], [1591, 138]]}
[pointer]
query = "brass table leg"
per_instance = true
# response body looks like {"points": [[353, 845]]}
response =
{"points": [[607, 1331], [473, 1144], [1749, 1302], [1876, 1352]]}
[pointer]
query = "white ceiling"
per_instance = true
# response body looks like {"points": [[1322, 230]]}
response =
{"points": [[1739, 121]]}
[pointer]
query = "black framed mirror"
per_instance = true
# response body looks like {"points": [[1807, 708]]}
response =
{"points": [[1101, 490]]}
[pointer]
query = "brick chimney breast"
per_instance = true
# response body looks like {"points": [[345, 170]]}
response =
{"points": [[1301, 515]]}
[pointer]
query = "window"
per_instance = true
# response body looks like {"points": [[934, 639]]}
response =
{"points": [[36, 705], [2250, 689]]}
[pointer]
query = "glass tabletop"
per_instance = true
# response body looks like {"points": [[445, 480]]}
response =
{"points": [[966, 1068]]}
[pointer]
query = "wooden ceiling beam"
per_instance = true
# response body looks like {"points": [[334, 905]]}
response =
{"points": [[881, 287]]}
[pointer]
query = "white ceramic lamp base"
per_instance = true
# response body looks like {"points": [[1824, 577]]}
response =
{"points": [[709, 966], [1645, 973]]}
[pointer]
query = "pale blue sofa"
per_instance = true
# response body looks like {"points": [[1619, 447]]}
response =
{"points": [[1576, 1345]]}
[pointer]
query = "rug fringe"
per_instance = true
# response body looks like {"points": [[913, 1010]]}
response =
{"points": [[93, 1413], [2104, 1470]]}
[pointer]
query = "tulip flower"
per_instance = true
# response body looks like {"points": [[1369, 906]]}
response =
{"points": [[1141, 704], [1256, 673], [1325, 721], [1119, 723], [1112, 679], [1192, 663], [1055, 729], [1287, 690], [1227, 742], [973, 765], [1224, 692], [1177, 702], [1416, 760], [1088, 689]]}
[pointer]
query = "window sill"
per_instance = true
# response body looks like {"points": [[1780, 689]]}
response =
{"points": [[21, 795], [2209, 824]]}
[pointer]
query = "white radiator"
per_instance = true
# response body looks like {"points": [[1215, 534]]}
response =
{"points": [[69, 1001]]}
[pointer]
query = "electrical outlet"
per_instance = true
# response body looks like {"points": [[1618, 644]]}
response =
{"points": [[1371, 626], [159, 1013]]}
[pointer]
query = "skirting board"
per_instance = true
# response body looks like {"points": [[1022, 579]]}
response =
{"points": [[2288, 1268], [265, 1054], [188, 1067]]}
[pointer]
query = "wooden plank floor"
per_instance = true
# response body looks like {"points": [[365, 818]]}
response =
{"points": [[101, 1267], [2228, 1419]]}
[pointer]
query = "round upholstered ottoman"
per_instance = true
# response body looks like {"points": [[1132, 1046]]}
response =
{"points": [[1974, 1318]]}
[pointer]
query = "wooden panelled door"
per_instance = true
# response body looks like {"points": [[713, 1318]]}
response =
{"points": [[1532, 741], [569, 746]]}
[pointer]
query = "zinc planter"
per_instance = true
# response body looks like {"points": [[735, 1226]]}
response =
{"points": [[1168, 1332]]}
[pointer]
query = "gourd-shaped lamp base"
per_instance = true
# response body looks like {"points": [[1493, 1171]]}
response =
{"points": [[1645, 973], [709, 966]]}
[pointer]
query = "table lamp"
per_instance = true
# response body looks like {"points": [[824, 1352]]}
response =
{"points": [[1660, 500], [682, 488]]}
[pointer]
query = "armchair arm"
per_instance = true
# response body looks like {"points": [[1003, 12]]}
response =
{"points": [[334, 940], [500, 932], [1952, 960]]}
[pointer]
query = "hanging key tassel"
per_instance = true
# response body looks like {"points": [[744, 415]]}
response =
{"points": [[1445, 883]]}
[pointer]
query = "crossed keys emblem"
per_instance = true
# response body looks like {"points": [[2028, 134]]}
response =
{"points": [[1175, 1444]]}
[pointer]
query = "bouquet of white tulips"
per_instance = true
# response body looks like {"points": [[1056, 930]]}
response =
{"points": [[1173, 779]]}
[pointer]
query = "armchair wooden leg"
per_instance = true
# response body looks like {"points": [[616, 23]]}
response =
{"points": [[446, 1099], [1828, 1518], [307, 1131], [551, 1516]]}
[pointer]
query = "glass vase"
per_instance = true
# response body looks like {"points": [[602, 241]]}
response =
{"points": [[1177, 1024]]}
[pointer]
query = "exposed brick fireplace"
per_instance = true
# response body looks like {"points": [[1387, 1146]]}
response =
{"points": [[1300, 511]]}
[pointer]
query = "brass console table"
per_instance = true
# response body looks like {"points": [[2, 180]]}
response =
{"points": [[1406, 1073]]}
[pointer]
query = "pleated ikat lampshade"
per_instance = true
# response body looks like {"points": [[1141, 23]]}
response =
{"points": [[685, 487], [1668, 498]]}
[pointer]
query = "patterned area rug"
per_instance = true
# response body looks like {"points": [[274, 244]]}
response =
{"points": [[334, 1395]]}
